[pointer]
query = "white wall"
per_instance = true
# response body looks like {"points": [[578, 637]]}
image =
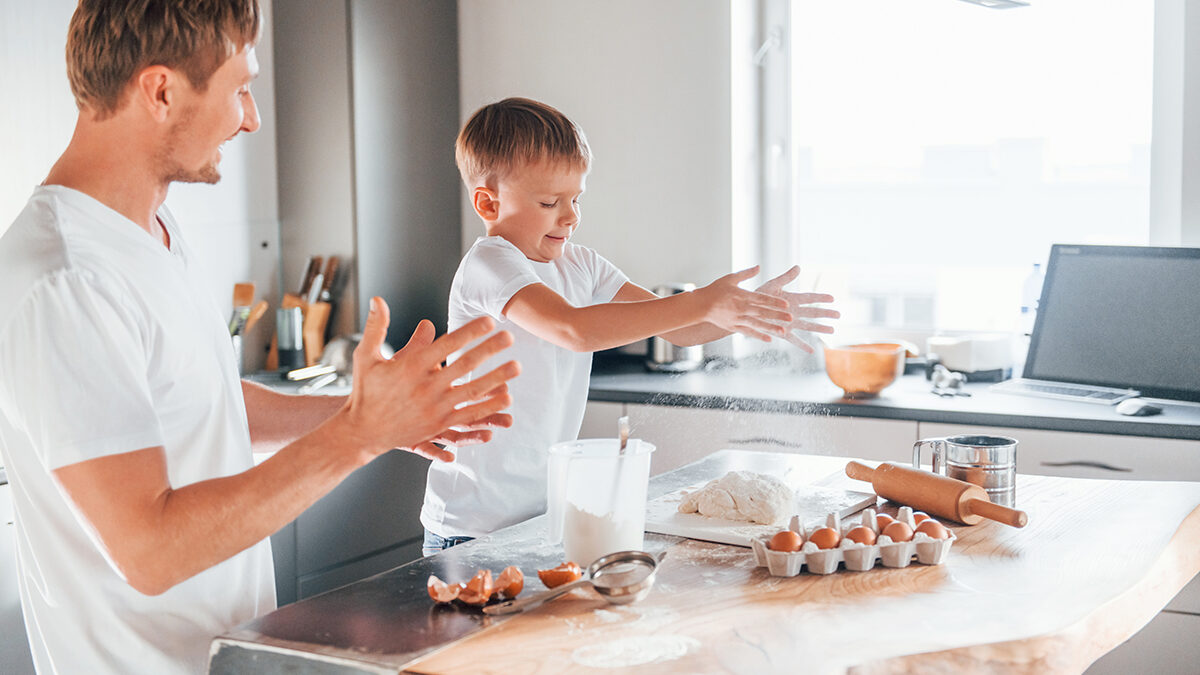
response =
{"points": [[649, 83], [232, 225]]}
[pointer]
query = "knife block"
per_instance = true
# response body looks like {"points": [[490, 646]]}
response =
{"points": [[316, 315]]}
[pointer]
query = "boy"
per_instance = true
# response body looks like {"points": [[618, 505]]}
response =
{"points": [[525, 165]]}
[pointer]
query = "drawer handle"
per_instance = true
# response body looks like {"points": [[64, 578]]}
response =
{"points": [[767, 441], [1090, 464]]}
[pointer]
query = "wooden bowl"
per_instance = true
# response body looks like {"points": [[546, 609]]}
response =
{"points": [[864, 370]]}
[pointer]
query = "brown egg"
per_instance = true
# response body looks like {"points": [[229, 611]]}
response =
{"points": [[563, 574], [510, 582], [861, 535], [933, 528], [883, 520], [825, 537], [440, 591], [919, 516], [898, 531], [478, 590], [786, 541]]}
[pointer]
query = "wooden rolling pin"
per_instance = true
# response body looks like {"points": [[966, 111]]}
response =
{"points": [[936, 494]]}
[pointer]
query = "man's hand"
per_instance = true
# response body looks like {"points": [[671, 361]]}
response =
{"points": [[754, 314], [799, 305], [411, 400]]}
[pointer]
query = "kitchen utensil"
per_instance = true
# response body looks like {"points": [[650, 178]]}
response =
{"points": [[935, 494], [665, 357], [315, 317], [864, 370], [256, 313], [623, 432], [987, 461], [330, 277], [243, 294], [236, 340], [310, 372], [289, 331], [311, 268], [314, 289], [316, 383], [583, 512], [620, 578]]}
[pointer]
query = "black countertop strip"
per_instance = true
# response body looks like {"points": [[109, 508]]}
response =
{"points": [[909, 398]]}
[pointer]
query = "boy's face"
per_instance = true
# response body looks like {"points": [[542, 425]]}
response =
{"points": [[538, 208]]}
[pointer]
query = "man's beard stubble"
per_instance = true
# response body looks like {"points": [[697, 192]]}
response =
{"points": [[171, 170]]}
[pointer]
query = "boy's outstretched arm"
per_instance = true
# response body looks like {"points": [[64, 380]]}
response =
{"points": [[636, 314]]}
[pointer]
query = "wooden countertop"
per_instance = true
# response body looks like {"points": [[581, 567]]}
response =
{"points": [[1098, 560]]}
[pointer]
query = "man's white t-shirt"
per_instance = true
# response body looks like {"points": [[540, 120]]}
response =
{"points": [[503, 482], [110, 343]]}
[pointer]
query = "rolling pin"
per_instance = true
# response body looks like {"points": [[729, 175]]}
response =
{"points": [[936, 494]]}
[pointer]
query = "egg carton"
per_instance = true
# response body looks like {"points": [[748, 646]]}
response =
{"points": [[925, 549]]}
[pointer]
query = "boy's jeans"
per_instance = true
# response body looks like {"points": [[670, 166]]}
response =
{"points": [[435, 543]]}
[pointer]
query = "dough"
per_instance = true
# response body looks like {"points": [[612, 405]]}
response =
{"points": [[742, 495]]}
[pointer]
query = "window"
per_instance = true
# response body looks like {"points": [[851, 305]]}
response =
{"points": [[937, 148]]}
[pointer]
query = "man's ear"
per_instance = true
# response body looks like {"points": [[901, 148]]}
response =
{"points": [[154, 89], [486, 202]]}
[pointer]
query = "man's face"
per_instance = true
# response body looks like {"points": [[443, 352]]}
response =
{"points": [[192, 151], [539, 208]]}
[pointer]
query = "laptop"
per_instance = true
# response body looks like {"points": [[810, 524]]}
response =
{"points": [[1115, 322]]}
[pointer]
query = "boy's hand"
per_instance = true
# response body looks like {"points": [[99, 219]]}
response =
{"points": [[799, 307], [411, 400], [754, 314]]}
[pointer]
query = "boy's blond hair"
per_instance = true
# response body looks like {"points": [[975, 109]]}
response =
{"points": [[109, 41], [516, 132]]}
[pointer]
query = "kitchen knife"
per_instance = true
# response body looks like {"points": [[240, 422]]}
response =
{"points": [[310, 270], [331, 270]]}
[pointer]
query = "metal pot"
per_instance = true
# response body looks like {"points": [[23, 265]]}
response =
{"points": [[664, 357]]}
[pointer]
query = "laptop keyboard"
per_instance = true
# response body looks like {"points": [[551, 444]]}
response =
{"points": [[1069, 392]]}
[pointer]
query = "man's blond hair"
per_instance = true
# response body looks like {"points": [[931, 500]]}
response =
{"points": [[109, 41], [517, 132]]}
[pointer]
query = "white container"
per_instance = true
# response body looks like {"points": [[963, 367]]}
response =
{"points": [[596, 500]]}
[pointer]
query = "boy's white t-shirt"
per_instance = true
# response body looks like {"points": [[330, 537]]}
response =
{"points": [[110, 343], [503, 482]]}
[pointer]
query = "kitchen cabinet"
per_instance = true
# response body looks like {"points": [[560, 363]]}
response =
{"points": [[1083, 455], [366, 525], [683, 435], [15, 658]]}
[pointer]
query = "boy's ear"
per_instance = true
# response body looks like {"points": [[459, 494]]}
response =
{"points": [[486, 203]]}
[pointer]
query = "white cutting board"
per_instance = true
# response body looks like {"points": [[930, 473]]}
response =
{"points": [[813, 504]]}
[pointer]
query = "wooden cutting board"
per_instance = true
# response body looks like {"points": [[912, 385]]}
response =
{"points": [[813, 504]]}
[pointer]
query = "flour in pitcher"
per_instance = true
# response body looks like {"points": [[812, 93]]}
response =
{"points": [[587, 536]]}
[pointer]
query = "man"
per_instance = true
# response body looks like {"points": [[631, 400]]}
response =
{"points": [[141, 519]]}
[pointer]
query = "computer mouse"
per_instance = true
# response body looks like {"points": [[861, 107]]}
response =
{"points": [[1138, 407]]}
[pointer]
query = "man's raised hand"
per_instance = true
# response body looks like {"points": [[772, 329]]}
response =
{"points": [[411, 400]]}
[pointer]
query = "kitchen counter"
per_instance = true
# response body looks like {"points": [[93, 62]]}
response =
{"points": [[909, 398], [1097, 561]]}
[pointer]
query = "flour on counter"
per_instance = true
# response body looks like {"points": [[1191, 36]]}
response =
{"points": [[742, 495], [634, 651]]}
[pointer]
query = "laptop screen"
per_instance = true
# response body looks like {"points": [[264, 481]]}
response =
{"points": [[1120, 316]]}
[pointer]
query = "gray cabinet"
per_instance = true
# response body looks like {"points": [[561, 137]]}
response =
{"points": [[367, 525], [15, 658]]}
